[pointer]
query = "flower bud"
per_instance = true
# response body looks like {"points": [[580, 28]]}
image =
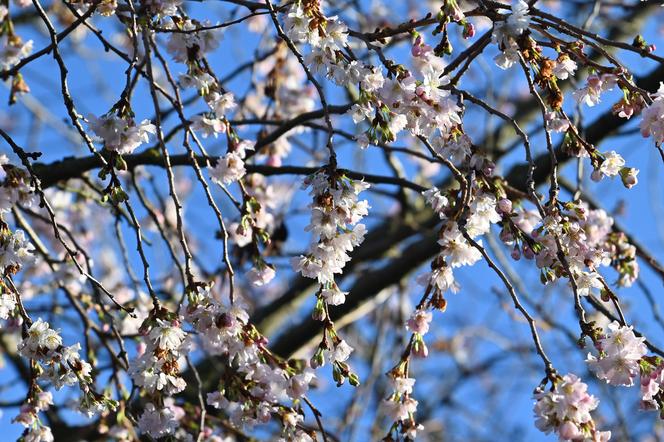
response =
{"points": [[468, 30], [319, 310], [596, 175], [318, 359], [628, 176], [506, 236], [224, 320], [420, 349], [488, 168], [528, 252], [504, 206]]}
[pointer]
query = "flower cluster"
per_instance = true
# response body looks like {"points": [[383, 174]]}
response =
{"points": [[282, 91], [63, 366], [16, 187], [612, 164], [254, 384], [38, 401], [121, 135], [230, 167], [456, 251], [506, 32], [220, 103], [336, 213], [391, 104], [595, 86], [15, 250], [620, 353], [586, 238], [622, 356], [400, 406], [187, 43], [157, 369], [157, 422], [566, 409]]}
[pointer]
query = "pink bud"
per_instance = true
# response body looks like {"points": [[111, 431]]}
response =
{"points": [[628, 176], [504, 206], [469, 31], [488, 168], [630, 181], [528, 252], [225, 320], [262, 341], [506, 236]]}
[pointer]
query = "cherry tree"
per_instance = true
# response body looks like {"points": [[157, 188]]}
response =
{"points": [[331, 220]]}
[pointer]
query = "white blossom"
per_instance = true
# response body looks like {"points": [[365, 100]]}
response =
{"points": [[228, 169], [157, 422], [12, 50], [341, 352], [121, 135], [564, 67], [652, 123], [619, 354], [182, 45], [261, 275], [612, 164], [208, 126], [166, 336]]}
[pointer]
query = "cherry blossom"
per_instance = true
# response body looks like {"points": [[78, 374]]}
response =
{"points": [[121, 135], [566, 410], [653, 115], [144, 252], [619, 354]]}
